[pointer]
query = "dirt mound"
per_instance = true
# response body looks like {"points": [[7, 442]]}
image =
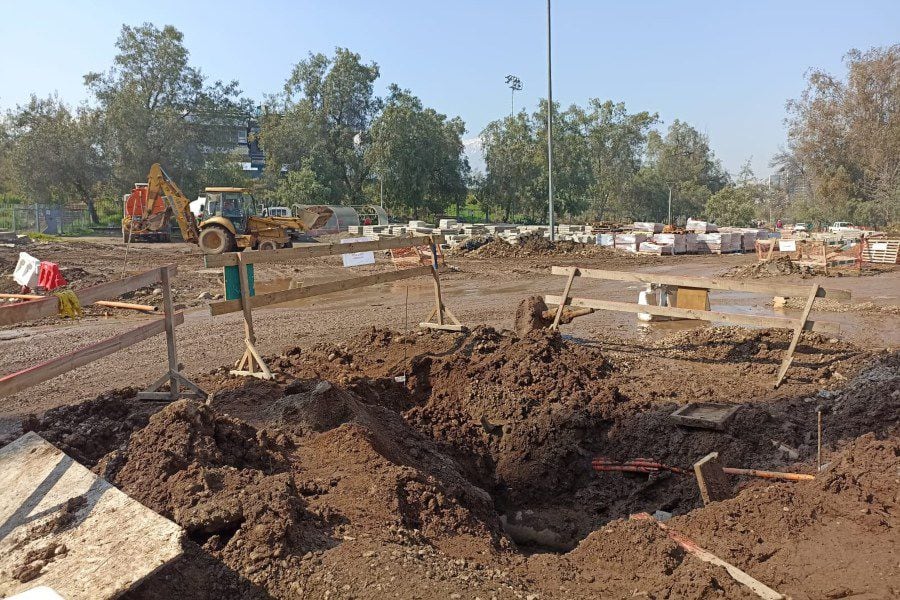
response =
{"points": [[782, 265], [869, 402], [773, 529], [264, 502], [534, 245], [516, 407], [92, 429], [530, 315]]}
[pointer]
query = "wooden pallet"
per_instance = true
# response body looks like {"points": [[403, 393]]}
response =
{"points": [[881, 251]]}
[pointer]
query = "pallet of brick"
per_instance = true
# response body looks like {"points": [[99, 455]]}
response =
{"points": [[647, 226], [678, 241], [630, 242], [605, 239], [690, 242], [709, 243], [701, 226], [653, 248]]}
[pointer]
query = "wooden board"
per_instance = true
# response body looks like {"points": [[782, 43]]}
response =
{"points": [[711, 479], [227, 306], [111, 542], [702, 315], [49, 306], [705, 415], [318, 250], [768, 289], [16, 382], [692, 298]]}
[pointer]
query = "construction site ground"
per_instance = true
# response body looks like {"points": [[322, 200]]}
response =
{"points": [[472, 478]]}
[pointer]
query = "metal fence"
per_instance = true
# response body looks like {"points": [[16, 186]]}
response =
{"points": [[58, 219]]}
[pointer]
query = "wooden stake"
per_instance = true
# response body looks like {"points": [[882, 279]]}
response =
{"points": [[251, 358], [564, 299], [440, 312], [801, 324], [172, 375]]}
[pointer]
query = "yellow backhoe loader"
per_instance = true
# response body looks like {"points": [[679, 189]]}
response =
{"points": [[230, 219]]}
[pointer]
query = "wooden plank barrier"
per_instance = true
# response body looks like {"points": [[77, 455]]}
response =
{"points": [[251, 362], [798, 325], [31, 376]]}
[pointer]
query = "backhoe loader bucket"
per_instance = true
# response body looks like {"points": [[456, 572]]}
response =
{"points": [[314, 218]]}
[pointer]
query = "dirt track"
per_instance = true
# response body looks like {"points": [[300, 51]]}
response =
{"points": [[472, 479]]}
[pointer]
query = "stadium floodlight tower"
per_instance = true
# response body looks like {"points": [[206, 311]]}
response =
{"points": [[515, 85]]}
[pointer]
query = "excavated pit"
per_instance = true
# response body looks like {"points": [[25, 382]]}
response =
{"points": [[483, 450]]}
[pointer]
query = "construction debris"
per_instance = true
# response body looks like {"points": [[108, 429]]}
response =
{"points": [[65, 528]]}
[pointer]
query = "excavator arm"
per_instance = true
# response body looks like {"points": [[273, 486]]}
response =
{"points": [[160, 185]]}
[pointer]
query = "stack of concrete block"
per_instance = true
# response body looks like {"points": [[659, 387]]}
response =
{"points": [[566, 229], [630, 242], [647, 226], [448, 224], [605, 239], [654, 248], [701, 226], [678, 241]]}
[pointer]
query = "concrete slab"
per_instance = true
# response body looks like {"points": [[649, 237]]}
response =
{"points": [[63, 527]]}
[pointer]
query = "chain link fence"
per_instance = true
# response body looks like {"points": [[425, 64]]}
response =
{"points": [[59, 219]]}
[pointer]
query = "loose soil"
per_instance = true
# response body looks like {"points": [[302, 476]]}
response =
{"points": [[472, 476], [383, 462]]}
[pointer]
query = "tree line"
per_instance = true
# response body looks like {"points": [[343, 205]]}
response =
{"points": [[329, 138]]}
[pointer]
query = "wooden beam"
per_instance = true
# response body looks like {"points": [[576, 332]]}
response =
{"points": [[49, 306], [768, 289], [16, 382], [702, 315], [801, 323], [318, 250], [228, 306], [559, 311], [442, 326]]}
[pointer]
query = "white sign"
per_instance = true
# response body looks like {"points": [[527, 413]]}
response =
{"points": [[356, 259], [787, 245], [879, 246]]}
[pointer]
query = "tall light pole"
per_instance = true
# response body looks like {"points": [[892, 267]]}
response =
{"points": [[550, 126], [515, 85], [669, 222]]}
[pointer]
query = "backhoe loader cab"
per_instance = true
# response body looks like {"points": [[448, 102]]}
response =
{"points": [[233, 223]]}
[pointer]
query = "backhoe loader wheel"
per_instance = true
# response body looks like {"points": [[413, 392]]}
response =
{"points": [[216, 240], [268, 245]]}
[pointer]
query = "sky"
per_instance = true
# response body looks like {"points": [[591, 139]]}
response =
{"points": [[726, 67]]}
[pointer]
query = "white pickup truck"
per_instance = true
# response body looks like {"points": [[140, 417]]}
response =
{"points": [[843, 227]]}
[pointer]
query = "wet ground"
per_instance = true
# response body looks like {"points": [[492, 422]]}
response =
{"points": [[478, 290]]}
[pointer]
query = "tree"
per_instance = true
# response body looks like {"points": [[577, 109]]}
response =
{"points": [[731, 206], [54, 153], [323, 116], [418, 154], [513, 162], [684, 160], [616, 142], [299, 187], [155, 107], [845, 137]]}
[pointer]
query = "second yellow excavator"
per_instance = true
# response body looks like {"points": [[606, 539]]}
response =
{"points": [[230, 219]]}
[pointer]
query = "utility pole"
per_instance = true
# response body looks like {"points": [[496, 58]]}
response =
{"points": [[550, 126], [670, 204], [515, 85], [381, 181]]}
